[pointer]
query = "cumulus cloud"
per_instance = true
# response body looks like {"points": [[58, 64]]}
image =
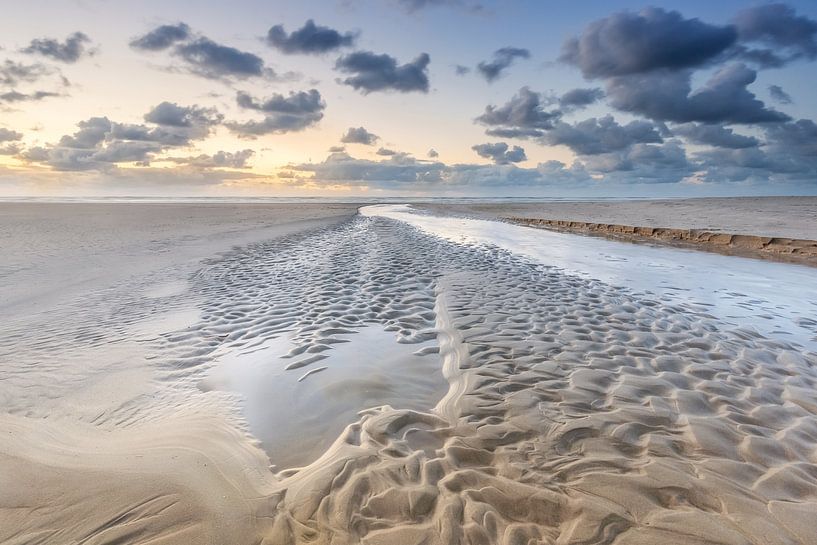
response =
{"points": [[776, 26], [601, 135], [8, 135], [213, 60], [100, 144], [502, 60], [580, 98], [461, 70], [309, 39], [669, 97], [282, 113], [201, 55], [653, 39], [161, 37], [386, 152], [337, 149], [359, 135], [170, 114], [432, 154], [715, 135], [69, 51], [499, 153], [524, 115], [778, 94], [372, 72], [220, 159]]}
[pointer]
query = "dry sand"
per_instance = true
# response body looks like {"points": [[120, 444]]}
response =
{"points": [[575, 411]]}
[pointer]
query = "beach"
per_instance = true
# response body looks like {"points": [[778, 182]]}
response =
{"points": [[334, 373]]}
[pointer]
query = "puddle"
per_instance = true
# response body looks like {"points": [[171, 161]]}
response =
{"points": [[297, 414]]}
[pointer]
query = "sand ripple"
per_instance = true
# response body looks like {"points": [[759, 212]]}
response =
{"points": [[577, 412]]}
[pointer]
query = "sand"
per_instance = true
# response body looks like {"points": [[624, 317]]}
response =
{"points": [[780, 228], [574, 408]]}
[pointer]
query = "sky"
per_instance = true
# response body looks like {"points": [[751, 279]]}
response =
{"points": [[504, 98]]}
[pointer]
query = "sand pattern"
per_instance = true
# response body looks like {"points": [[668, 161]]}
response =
{"points": [[577, 412]]}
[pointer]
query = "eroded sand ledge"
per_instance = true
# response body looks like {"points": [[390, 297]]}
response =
{"points": [[794, 250]]}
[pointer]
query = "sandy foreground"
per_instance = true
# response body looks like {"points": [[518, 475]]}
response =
{"points": [[305, 374]]}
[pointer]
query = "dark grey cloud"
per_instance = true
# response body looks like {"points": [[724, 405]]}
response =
{"points": [[596, 136], [715, 135], [642, 164], [580, 98], [161, 37], [309, 39], [788, 36], [283, 113], [502, 60], [359, 135], [213, 60], [220, 159], [524, 115], [337, 149], [69, 51], [778, 94], [372, 72], [461, 70], [432, 154], [8, 135], [500, 153], [386, 152], [653, 39], [15, 96], [725, 98]]}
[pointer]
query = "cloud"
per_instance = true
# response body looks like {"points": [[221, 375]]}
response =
{"points": [[503, 59], [169, 114], [432, 154], [161, 37], [8, 135], [461, 70], [725, 98], [13, 73], [201, 55], [642, 163], [386, 152], [212, 60], [220, 159], [100, 144], [524, 115], [309, 39], [580, 98], [69, 51], [14, 96], [337, 149], [359, 135], [412, 6], [283, 114], [499, 153], [653, 39], [715, 135], [778, 26], [778, 94], [372, 72], [603, 135]]}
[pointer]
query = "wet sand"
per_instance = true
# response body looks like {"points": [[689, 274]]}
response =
{"points": [[501, 398], [778, 228]]}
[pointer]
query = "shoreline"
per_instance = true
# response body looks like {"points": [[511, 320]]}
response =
{"points": [[790, 250]]}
